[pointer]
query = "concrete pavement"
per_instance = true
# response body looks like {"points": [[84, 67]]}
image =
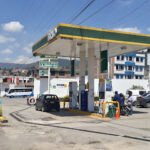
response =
{"points": [[66, 130]]}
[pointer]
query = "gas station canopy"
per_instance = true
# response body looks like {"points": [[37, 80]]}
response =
{"points": [[61, 40], [77, 41]]}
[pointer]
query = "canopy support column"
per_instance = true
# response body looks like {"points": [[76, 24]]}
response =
{"points": [[82, 73], [91, 78]]}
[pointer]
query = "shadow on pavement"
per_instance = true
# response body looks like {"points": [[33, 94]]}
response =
{"points": [[64, 113], [139, 112]]}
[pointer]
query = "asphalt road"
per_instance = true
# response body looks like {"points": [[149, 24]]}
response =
{"points": [[34, 130]]}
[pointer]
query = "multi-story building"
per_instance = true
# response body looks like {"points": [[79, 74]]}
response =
{"points": [[129, 66]]}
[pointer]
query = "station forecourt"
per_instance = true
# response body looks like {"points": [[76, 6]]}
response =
{"points": [[81, 42]]}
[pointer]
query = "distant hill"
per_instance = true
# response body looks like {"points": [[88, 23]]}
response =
{"points": [[63, 63], [18, 66]]}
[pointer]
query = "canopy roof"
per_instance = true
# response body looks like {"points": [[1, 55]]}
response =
{"points": [[65, 37]]}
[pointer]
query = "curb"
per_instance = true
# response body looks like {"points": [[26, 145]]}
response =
{"points": [[93, 115]]}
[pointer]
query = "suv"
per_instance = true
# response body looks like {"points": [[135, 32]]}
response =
{"points": [[47, 102], [143, 100]]}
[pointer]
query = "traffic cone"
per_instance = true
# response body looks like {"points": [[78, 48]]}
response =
{"points": [[117, 113]]}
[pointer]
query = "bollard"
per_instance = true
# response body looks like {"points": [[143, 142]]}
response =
{"points": [[117, 113]]}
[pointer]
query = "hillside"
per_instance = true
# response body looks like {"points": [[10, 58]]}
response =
{"points": [[63, 63]]}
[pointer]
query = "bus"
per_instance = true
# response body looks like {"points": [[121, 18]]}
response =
{"points": [[19, 92]]}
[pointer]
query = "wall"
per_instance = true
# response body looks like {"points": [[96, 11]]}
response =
{"points": [[60, 86], [122, 86]]}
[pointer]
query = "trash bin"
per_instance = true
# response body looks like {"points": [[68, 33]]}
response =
{"points": [[112, 111]]}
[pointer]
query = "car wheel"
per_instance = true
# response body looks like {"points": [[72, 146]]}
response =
{"points": [[43, 109], [148, 105]]}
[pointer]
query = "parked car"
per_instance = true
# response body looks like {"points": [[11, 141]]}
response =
{"points": [[47, 102], [136, 93], [143, 100]]}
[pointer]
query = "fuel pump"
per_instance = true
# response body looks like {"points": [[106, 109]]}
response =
{"points": [[101, 94], [73, 94], [105, 93]]}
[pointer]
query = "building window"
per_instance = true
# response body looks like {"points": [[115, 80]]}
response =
{"points": [[137, 59], [118, 57], [141, 68], [130, 68], [122, 57], [136, 77], [129, 77], [53, 73], [141, 59], [140, 77], [137, 68], [121, 76], [117, 67], [117, 76], [130, 58], [127, 58], [61, 73], [121, 67]]}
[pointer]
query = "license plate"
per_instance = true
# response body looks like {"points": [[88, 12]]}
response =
{"points": [[52, 102]]}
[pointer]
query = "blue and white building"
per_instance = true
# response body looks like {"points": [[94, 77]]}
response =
{"points": [[129, 66]]}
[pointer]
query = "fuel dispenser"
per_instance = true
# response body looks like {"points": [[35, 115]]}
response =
{"points": [[105, 93], [84, 100], [73, 94]]}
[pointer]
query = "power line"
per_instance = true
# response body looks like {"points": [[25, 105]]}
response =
{"points": [[53, 17], [86, 7], [97, 11], [131, 12]]}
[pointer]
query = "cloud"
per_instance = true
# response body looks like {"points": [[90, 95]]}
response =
{"points": [[4, 39], [6, 51], [13, 26], [25, 60], [8, 60], [28, 48], [21, 60], [133, 30], [148, 29], [15, 45]]}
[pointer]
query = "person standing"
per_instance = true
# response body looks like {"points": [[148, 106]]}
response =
{"points": [[121, 100], [116, 98], [130, 102]]}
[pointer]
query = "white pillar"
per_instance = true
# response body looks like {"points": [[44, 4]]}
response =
{"points": [[91, 78], [82, 73], [49, 78], [149, 77]]}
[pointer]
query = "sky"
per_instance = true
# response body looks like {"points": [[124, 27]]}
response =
{"points": [[23, 22]]}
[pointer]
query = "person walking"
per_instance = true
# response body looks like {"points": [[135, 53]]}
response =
{"points": [[130, 102]]}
